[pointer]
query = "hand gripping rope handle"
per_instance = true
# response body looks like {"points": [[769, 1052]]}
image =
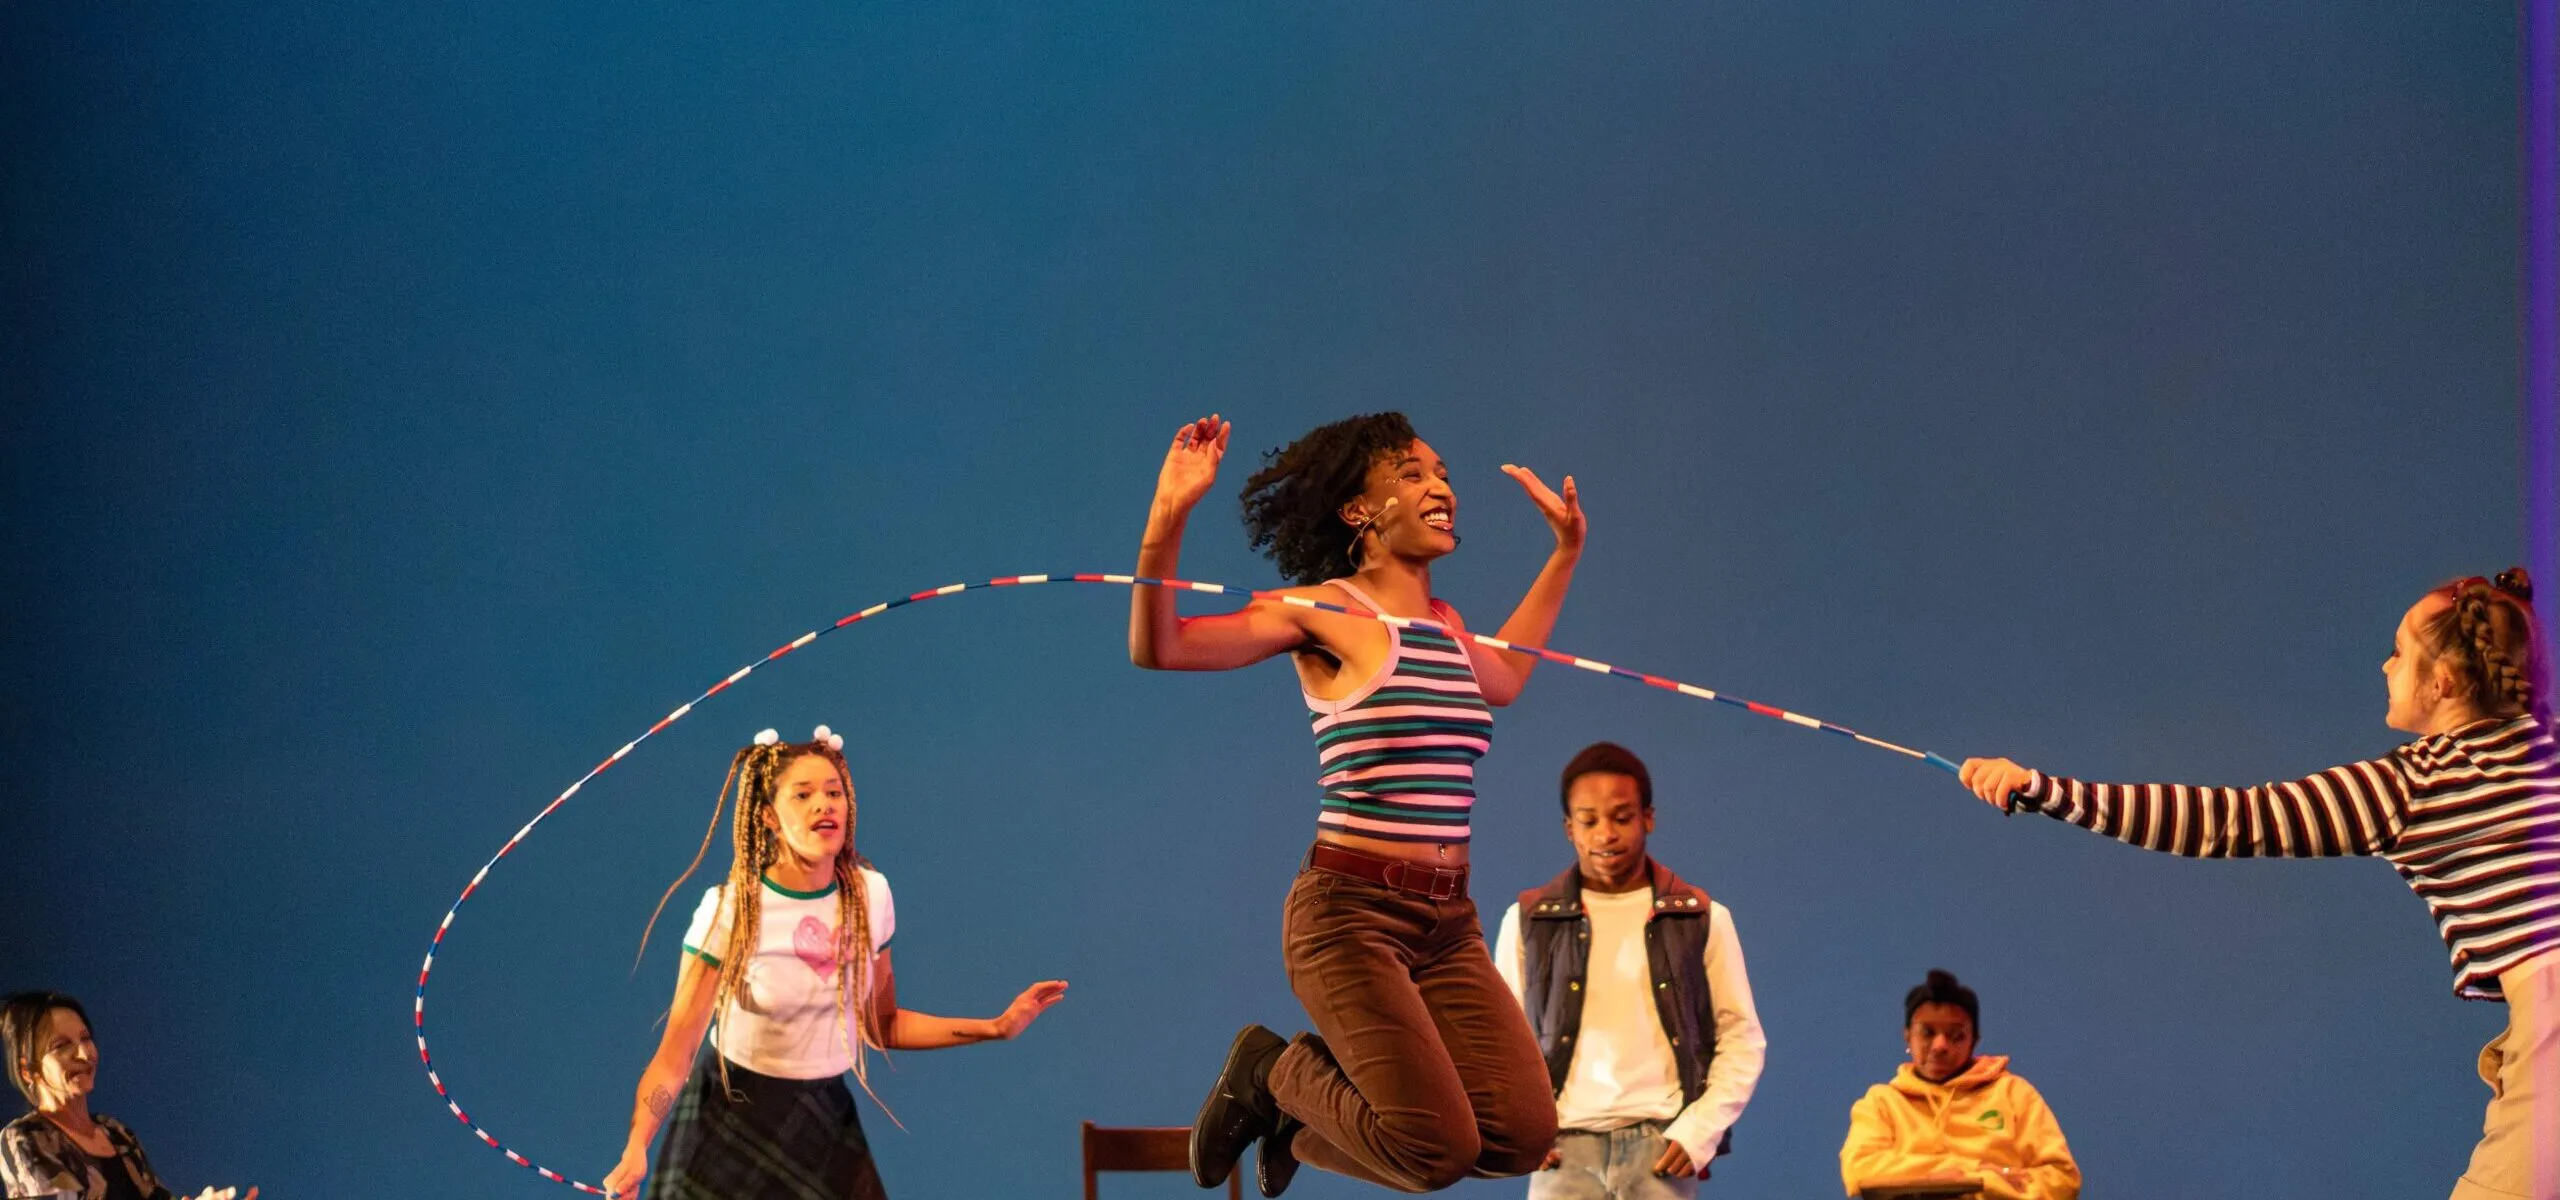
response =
{"points": [[1216, 589]]}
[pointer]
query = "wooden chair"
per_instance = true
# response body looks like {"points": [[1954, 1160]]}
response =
{"points": [[1153, 1149]]}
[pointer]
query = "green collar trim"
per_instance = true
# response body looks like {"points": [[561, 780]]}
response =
{"points": [[771, 886]]}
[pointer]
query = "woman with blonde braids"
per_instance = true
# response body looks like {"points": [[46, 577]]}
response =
{"points": [[2469, 814], [787, 965]]}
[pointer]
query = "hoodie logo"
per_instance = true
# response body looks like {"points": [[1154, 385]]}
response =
{"points": [[1990, 1119]]}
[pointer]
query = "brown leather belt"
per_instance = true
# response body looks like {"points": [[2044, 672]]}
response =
{"points": [[1411, 878]]}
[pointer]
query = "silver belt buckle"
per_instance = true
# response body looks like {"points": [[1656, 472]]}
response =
{"points": [[1444, 883]]}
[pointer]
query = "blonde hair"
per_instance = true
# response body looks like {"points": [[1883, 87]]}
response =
{"points": [[754, 775], [2487, 634]]}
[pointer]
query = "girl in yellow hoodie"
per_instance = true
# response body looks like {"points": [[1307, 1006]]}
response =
{"points": [[1948, 1116]]}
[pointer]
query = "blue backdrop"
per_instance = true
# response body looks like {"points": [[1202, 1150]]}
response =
{"points": [[404, 408]]}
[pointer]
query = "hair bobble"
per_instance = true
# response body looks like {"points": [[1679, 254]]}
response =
{"points": [[819, 736], [2514, 582]]}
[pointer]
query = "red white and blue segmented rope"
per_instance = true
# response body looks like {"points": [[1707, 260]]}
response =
{"points": [[1215, 589]]}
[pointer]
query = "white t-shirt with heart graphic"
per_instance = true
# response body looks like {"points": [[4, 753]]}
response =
{"points": [[783, 1019]]}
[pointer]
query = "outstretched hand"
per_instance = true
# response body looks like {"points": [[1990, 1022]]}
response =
{"points": [[1191, 464], [1563, 513], [1027, 1008], [1994, 780]]}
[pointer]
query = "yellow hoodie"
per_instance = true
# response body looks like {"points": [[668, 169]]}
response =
{"points": [[1981, 1120]]}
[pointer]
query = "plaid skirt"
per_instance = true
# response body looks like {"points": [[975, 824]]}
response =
{"points": [[778, 1139]]}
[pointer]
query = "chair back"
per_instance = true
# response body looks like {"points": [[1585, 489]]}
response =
{"points": [[1153, 1148]]}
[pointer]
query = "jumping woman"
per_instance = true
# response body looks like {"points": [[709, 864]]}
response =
{"points": [[787, 964], [1420, 1071], [2469, 814]]}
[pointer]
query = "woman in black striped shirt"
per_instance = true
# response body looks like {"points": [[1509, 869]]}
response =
{"points": [[2469, 814]]}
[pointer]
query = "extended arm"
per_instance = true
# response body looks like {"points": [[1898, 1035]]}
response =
{"points": [[2355, 809], [1503, 673], [1160, 639], [907, 1029]]}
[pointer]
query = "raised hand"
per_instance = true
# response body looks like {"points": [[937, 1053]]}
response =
{"points": [[1993, 779], [1027, 1007], [1191, 464], [1563, 513]]}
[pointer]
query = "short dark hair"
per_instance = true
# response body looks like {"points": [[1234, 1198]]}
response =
{"points": [[1613, 759], [22, 1017], [1942, 988]]}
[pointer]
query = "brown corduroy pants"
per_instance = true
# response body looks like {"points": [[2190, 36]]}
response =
{"points": [[1427, 1072]]}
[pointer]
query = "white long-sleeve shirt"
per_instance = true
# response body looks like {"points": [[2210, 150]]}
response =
{"points": [[1623, 1070]]}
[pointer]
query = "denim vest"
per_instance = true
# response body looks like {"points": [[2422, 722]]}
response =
{"points": [[1555, 941]]}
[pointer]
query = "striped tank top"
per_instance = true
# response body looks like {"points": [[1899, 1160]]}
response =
{"points": [[1397, 759]]}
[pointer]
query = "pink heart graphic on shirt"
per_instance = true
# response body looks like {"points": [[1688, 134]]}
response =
{"points": [[816, 946]]}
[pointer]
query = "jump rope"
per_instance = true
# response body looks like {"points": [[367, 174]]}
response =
{"points": [[1181, 585]]}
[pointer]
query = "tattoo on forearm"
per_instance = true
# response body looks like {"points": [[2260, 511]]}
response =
{"points": [[660, 1101]]}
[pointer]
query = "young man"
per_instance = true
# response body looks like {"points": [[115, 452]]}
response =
{"points": [[1634, 985]]}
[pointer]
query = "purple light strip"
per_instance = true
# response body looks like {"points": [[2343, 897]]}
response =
{"points": [[2539, 130]]}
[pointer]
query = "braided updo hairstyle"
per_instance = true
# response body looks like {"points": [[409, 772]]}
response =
{"points": [[2490, 638], [1293, 505]]}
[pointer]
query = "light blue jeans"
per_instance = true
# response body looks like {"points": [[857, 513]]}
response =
{"points": [[1617, 1165]]}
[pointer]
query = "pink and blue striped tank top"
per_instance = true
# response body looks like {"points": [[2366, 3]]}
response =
{"points": [[1397, 759]]}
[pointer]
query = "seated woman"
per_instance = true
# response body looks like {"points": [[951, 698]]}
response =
{"points": [[1949, 1117], [61, 1148]]}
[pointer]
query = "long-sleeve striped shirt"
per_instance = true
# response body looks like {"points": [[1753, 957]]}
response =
{"points": [[2470, 819]]}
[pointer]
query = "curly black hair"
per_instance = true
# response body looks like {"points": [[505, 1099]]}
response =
{"points": [[1293, 505]]}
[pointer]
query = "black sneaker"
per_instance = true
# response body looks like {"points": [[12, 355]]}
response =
{"points": [[1239, 1109], [1273, 1165]]}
